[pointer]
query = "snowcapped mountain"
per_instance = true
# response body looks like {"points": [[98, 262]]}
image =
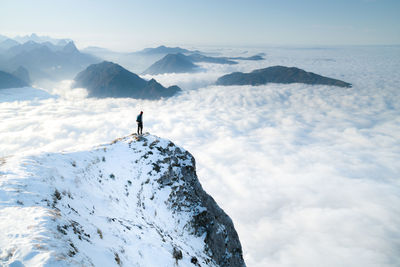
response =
{"points": [[134, 202]]}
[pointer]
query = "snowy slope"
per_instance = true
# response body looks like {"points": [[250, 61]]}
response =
{"points": [[134, 202]]}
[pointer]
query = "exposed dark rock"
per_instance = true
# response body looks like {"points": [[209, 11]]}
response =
{"points": [[108, 79], [194, 260], [177, 254], [221, 238], [278, 74]]}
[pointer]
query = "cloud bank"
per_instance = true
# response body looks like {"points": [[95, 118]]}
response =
{"points": [[309, 174]]}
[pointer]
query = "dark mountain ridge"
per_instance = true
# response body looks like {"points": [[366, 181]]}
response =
{"points": [[278, 74]]}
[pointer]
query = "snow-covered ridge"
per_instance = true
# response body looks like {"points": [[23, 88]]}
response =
{"points": [[134, 202]]}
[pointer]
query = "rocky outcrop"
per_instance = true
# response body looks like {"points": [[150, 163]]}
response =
{"points": [[221, 239], [278, 74], [134, 202]]}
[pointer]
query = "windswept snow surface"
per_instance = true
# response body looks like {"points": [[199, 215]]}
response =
{"points": [[102, 207], [310, 175]]}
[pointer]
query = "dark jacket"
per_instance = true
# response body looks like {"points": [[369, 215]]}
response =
{"points": [[139, 118]]}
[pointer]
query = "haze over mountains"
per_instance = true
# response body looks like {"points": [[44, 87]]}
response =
{"points": [[8, 80], [159, 59], [136, 61], [23, 74], [46, 60], [181, 63], [162, 50]]}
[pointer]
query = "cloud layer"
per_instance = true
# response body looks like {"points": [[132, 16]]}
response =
{"points": [[309, 174]]}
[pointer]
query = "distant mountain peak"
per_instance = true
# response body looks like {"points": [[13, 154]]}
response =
{"points": [[172, 63], [29, 42], [107, 79], [37, 38], [70, 48]]}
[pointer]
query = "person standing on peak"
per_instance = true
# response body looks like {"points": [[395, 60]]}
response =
{"points": [[139, 120]]}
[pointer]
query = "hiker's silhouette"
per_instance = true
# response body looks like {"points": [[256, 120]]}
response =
{"points": [[139, 120]]}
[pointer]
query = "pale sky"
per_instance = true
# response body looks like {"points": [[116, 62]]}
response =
{"points": [[130, 25]]}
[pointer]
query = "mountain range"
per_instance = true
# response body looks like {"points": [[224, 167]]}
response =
{"points": [[41, 39], [44, 60], [108, 79]]}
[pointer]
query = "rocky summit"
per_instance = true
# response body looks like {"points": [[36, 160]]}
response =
{"points": [[134, 202], [108, 79]]}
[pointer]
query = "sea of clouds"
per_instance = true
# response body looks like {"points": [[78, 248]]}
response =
{"points": [[310, 175]]}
